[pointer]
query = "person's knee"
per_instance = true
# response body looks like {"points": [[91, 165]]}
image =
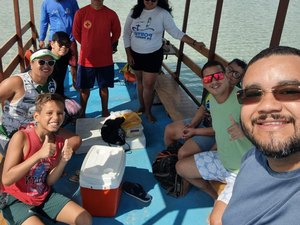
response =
{"points": [[180, 168], [181, 153], [215, 219], [84, 219]]}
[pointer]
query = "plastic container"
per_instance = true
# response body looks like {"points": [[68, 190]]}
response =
{"points": [[100, 180]]}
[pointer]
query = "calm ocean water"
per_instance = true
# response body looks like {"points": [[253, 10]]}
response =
{"points": [[245, 29]]}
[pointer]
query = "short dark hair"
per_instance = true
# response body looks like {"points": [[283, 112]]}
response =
{"points": [[61, 37], [42, 99], [211, 63], [239, 62], [278, 50]]}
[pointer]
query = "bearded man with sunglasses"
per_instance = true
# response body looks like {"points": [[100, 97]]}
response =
{"points": [[221, 165], [267, 187]]}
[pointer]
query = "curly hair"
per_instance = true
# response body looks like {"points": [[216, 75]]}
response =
{"points": [[139, 7]]}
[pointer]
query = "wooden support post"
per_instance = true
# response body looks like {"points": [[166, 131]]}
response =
{"points": [[19, 34], [279, 22], [214, 35]]}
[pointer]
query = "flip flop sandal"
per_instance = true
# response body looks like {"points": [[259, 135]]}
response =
{"points": [[74, 178], [77, 172], [137, 191]]}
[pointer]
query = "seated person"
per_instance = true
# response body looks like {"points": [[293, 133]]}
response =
{"points": [[19, 91], [224, 164], [197, 132], [35, 160]]}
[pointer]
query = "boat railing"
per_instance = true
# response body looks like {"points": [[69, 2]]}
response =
{"points": [[18, 39], [207, 52]]}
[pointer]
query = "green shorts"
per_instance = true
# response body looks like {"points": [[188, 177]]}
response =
{"points": [[16, 212]]}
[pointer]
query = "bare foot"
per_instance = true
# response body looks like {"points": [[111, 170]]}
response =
{"points": [[141, 110], [151, 118], [105, 113]]}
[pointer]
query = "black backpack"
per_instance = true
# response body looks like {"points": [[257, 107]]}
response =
{"points": [[164, 171], [112, 133]]}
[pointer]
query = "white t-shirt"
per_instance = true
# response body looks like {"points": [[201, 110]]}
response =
{"points": [[144, 34]]}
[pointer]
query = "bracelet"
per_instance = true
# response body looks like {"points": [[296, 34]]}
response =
{"points": [[194, 42]]}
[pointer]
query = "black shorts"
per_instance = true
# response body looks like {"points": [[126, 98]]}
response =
{"points": [[150, 62]]}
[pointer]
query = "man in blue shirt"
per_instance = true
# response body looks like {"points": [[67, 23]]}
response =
{"points": [[59, 15], [266, 190]]}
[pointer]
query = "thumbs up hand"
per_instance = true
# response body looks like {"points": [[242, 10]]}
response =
{"points": [[48, 148], [66, 152], [235, 130]]}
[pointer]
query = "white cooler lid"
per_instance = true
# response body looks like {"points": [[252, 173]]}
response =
{"points": [[103, 167]]}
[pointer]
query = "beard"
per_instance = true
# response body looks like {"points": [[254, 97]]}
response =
{"points": [[274, 147]]}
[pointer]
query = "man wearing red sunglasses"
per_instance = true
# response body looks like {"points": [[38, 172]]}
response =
{"points": [[221, 165], [267, 188]]}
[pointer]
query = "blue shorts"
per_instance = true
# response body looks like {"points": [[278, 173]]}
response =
{"points": [[86, 76], [205, 143]]}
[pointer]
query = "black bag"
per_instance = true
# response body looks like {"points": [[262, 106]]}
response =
{"points": [[164, 171], [112, 133]]}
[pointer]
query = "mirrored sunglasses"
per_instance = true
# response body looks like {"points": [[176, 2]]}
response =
{"points": [[234, 74], [42, 62], [217, 76], [283, 93]]}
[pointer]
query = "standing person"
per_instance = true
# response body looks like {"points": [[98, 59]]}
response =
{"points": [[221, 165], [60, 46], [143, 40], [267, 187], [97, 28], [59, 15], [35, 160]]}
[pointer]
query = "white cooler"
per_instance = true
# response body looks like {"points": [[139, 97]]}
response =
{"points": [[100, 180]]}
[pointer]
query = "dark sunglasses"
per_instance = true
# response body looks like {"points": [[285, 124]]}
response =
{"points": [[234, 74], [42, 62], [217, 76], [283, 93], [151, 0], [67, 45]]}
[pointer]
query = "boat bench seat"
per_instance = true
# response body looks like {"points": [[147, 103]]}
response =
{"points": [[179, 106], [177, 103]]}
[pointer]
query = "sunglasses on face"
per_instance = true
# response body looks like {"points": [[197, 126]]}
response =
{"points": [[42, 62], [209, 78], [283, 93], [151, 0], [234, 74], [67, 45]]}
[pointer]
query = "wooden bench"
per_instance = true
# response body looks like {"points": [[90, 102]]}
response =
{"points": [[176, 102], [179, 106]]}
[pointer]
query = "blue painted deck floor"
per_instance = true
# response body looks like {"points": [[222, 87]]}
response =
{"points": [[192, 209]]}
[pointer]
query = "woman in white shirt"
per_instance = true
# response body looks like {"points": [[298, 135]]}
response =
{"points": [[143, 40]]}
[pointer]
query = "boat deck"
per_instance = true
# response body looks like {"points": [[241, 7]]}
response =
{"points": [[194, 208]]}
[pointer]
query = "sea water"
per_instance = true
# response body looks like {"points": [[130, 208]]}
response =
{"points": [[245, 29]]}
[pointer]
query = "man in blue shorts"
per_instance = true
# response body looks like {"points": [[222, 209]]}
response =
{"points": [[97, 28]]}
